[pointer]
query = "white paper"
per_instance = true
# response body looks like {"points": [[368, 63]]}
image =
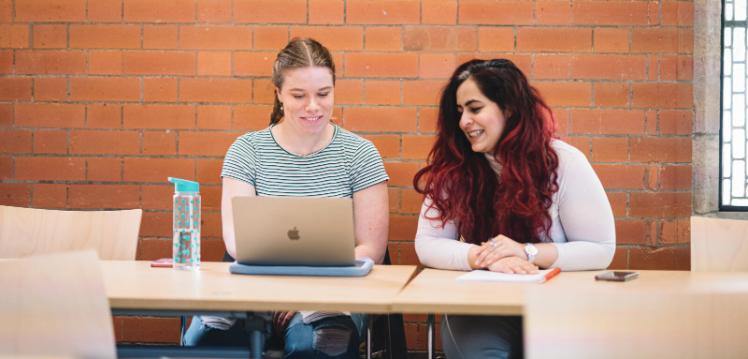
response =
{"points": [[488, 276]]}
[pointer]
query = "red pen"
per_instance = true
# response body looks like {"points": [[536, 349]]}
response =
{"points": [[554, 272]]}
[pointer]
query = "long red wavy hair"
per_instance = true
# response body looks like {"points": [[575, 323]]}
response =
{"points": [[461, 183]]}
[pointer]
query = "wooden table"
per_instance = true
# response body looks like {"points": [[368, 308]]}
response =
{"points": [[133, 288], [438, 291]]}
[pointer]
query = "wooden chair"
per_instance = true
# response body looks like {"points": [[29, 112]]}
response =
{"points": [[30, 231], [719, 244], [55, 305]]}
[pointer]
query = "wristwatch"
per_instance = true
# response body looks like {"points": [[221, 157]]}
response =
{"points": [[531, 252]]}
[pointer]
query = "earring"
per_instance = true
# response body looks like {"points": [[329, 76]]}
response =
{"points": [[281, 107]]}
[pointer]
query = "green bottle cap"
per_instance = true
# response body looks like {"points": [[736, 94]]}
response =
{"points": [[184, 186]]}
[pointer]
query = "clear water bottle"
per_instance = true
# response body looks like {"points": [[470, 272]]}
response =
{"points": [[186, 240]]}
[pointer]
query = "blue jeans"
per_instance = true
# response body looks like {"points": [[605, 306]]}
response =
{"points": [[475, 336], [330, 338]]}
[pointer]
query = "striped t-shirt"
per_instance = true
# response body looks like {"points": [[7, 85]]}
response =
{"points": [[345, 166]]}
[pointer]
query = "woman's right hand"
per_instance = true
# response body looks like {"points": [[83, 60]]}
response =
{"points": [[281, 320], [513, 265]]}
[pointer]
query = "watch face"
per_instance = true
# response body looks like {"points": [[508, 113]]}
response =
{"points": [[531, 249]]}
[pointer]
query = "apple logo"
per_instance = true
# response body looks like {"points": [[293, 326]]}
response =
{"points": [[293, 234]]}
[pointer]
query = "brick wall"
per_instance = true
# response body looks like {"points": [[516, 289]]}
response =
{"points": [[101, 100]]}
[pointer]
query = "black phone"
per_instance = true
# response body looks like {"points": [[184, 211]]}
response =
{"points": [[617, 276]]}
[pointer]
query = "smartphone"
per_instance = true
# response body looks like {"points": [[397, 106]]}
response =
{"points": [[617, 276]]}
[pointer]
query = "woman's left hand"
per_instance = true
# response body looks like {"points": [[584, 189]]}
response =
{"points": [[497, 248]]}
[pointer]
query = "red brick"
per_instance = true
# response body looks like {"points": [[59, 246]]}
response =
{"points": [[104, 196], [609, 67], [442, 12], [6, 10], [6, 168], [100, 88], [251, 117], [334, 38], [611, 94], [566, 93], [214, 117], [253, 63], [326, 11], [616, 12], [380, 119], [661, 149], [554, 12], [105, 36], [50, 89], [159, 116], [105, 62], [263, 91], [270, 11], [611, 40], [654, 40], [49, 195], [401, 174], [554, 39], [158, 196], [552, 66], [214, 10], [205, 143], [403, 228], [618, 201], [677, 13], [427, 119], [436, 65], [216, 63], [349, 91], [493, 12], [148, 249], [495, 39], [381, 65], [156, 224], [440, 38], [383, 92], [211, 196], [104, 169], [159, 63], [104, 116], [50, 10], [159, 11], [50, 36], [632, 232], [215, 37], [157, 169], [610, 149], [383, 12], [105, 10], [663, 258], [618, 176], [267, 37], [12, 141], [417, 147], [159, 142], [675, 122], [209, 171], [388, 146], [675, 177], [383, 38], [620, 259], [660, 204], [620, 122], [676, 231], [160, 89], [49, 115], [50, 168], [215, 90], [6, 61], [15, 194], [51, 142], [412, 202], [104, 142], [422, 92], [50, 62], [160, 37]]}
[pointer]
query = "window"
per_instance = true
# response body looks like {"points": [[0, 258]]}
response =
{"points": [[733, 137]]}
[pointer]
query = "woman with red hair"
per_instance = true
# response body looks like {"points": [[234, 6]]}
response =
{"points": [[502, 194]]}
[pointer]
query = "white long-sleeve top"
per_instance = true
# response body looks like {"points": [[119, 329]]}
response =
{"points": [[582, 229]]}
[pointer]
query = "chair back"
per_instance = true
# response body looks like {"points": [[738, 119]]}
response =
{"points": [[55, 305], [719, 244], [31, 231]]}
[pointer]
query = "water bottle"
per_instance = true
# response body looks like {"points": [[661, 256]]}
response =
{"points": [[186, 240]]}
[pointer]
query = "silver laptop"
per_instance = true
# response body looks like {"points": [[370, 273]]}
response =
{"points": [[294, 231]]}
